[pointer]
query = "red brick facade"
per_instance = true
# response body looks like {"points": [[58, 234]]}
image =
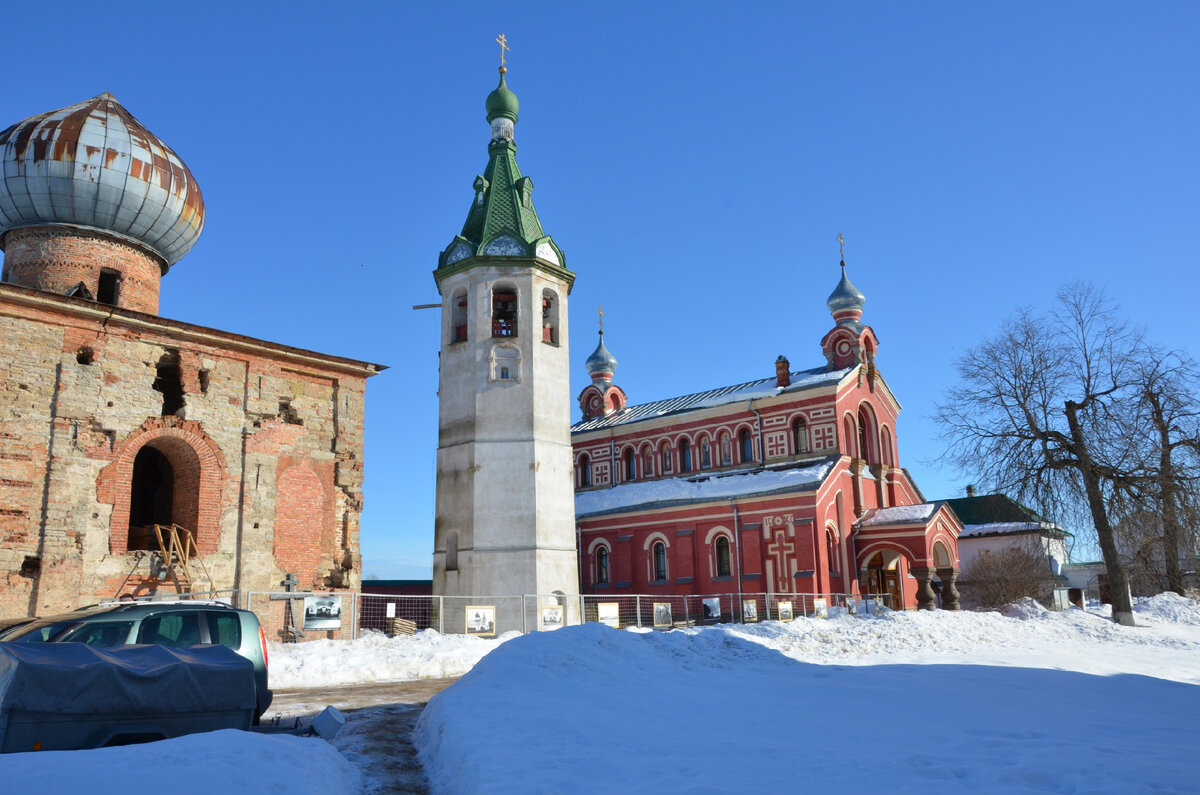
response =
{"points": [[789, 485]]}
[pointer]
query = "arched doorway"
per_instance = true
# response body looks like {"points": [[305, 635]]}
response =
{"points": [[151, 496], [884, 574]]}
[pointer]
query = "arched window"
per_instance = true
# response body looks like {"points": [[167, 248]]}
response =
{"points": [[647, 462], [504, 311], [850, 436], [866, 437], [452, 551], [458, 315], [602, 566], [745, 446], [630, 464], [685, 456], [585, 471], [667, 459], [800, 436], [549, 317], [660, 562], [885, 447], [705, 454], [722, 551], [726, 450], [832, 550]]}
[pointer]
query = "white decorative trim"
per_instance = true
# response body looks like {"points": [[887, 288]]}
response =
{"points": [[546, 251]]}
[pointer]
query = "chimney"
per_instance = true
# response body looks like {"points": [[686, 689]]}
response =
{"points": [[971, 490], [783, 374]]}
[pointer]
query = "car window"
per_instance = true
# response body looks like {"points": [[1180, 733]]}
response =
{"points": [[103, 634], [225, 629], [171, 629]]}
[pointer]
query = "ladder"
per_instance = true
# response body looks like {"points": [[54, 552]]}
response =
{"points": [[177, 546]]}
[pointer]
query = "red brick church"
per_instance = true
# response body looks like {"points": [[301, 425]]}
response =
{"points": [[791, 484]]}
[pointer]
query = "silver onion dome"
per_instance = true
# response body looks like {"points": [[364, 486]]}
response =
{"points": [[601, 361], [93, 165]]}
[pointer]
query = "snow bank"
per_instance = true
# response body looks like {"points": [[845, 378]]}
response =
{"points": [[1024, 608], [1170, 607], [227, 761], [374, 657], [733, 709]]}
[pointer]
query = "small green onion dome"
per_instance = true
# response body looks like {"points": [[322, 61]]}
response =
{"points": [[502, 102]]}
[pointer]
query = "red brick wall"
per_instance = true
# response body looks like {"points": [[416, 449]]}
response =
{"points": [[55, 260], [302, 518]]}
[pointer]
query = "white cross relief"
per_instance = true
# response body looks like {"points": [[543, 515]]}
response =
{"points": [[781, 552]]}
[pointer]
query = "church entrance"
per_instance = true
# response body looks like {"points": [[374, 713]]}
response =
{"points": [[883, 577]]}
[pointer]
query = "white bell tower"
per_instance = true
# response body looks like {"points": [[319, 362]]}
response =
{"points": [[505, 515]]}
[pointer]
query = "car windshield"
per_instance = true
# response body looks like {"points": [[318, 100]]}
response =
{"points": [[39, 631]]}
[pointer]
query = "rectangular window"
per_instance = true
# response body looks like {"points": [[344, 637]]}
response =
{"points": [[109, 288], [225, 630]]}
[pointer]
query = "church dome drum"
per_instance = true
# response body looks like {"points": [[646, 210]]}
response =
{"points": [[93, 165]]}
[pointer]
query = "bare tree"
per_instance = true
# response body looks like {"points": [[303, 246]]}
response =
{"points": [[1039, 414], [1162, 505]]}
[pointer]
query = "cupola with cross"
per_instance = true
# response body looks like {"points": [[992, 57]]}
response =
{"points": [[602, 396], [850, 342], [505, 508]]}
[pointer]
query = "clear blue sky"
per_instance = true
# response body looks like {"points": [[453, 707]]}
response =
{"points": [[694, 160]]}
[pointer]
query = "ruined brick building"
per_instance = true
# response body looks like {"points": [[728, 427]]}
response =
{"points": [[114, 420]]}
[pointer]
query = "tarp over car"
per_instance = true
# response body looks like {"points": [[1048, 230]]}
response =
{"points": [[70, 695]]}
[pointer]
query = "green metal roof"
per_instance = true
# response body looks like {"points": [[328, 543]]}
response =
{"points": [[995, 509], [502, 221]]}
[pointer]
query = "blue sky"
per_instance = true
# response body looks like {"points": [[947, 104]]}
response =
{"points": [[695, 161]]}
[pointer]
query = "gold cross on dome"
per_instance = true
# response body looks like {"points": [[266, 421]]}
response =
{"points": [[842, 246], [503, 42], [600, 312]]}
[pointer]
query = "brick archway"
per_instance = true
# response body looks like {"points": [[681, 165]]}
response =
{"points": [[199, 470]]}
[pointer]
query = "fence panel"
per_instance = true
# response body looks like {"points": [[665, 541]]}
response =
{"points": [[379, 610]]}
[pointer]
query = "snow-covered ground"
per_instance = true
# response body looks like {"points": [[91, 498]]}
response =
{"points": [[950, 702]]}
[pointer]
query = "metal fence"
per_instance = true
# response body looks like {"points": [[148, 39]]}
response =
{"points": [[292, 617]]}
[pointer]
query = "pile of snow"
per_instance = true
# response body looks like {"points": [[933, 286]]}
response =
{"points": [[622, 711], [377, 658], [1169, 607], [1024, 608], [227, 762]]}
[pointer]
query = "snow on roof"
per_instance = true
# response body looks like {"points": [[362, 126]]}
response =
{"points": [[751, 390], [700, 489], [900, 514], [1000, 528]]}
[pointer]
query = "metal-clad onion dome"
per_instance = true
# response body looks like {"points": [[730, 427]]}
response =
{"points": [[93, 165], [846, 299], [502, 102], [601, 364]]}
